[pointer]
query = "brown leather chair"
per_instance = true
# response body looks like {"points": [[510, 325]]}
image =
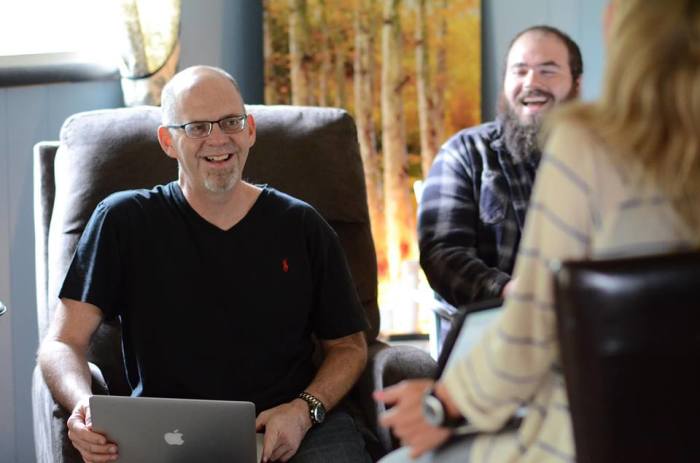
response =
{"points": [[310, 153], [629, 332]]}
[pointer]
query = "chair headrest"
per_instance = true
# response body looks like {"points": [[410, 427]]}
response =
{"points": [[311, 153]]}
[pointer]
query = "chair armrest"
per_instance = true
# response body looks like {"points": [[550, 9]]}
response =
{"points": [[388, 365], [51, 440], [99, 385]]}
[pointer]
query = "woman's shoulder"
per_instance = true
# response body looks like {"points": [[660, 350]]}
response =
{"points": [[570, 136], [578, 146]]}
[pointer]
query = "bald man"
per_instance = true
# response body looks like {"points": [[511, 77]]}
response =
{"points": [[200, 269]]}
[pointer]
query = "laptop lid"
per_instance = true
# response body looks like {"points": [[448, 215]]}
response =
{"points": [[176, 430]]}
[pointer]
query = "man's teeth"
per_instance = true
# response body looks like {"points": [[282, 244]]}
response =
{"points": [[534, 100], [221, 157]]}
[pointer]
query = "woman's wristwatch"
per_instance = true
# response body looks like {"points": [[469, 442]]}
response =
{"points": [[435, 413]]}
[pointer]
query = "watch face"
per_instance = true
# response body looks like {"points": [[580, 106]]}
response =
{"points": [[319, 414], [432, 410]]}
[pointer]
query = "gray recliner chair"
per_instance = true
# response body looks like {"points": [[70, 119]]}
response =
{"points": [[310, 153]]}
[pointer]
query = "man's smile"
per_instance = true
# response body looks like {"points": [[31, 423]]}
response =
{"points": [[535, 101], [218, 158]]}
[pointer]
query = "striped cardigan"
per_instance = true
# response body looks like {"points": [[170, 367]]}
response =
{"points": [[583, 206]]}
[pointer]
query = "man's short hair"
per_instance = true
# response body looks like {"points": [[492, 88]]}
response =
{"points": [[575, 59]]}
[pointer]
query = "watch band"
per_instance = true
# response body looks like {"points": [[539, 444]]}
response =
{"points": [[310, 398]]}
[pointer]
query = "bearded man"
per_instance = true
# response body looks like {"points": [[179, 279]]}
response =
{"points": [[476, 195]]}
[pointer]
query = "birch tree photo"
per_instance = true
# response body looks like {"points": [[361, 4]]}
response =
{"points": [[407, 70]]}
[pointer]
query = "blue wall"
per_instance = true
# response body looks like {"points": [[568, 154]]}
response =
{"points": [[502, 19], [227, 34], [217, 32], [27, 115]]}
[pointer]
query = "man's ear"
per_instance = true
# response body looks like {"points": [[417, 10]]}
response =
{"points": [[165, 138], [251, 129]]}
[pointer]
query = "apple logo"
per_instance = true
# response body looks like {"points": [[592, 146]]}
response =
{"points": [[173, 438]]}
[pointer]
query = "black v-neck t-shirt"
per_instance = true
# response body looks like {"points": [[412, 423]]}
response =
{"points": [[210, 313]]}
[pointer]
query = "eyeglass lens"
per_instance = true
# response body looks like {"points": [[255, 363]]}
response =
{"points": [[227, 125]]}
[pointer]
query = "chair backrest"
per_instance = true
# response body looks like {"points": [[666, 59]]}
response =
{"points": [[310, 153], [629, 332]]}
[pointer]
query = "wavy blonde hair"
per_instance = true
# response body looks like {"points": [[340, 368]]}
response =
{"points": [[649, 111]]}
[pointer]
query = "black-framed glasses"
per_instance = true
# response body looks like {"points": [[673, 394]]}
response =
{"points": [[202, 129]]}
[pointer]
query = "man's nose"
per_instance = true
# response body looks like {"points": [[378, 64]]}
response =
{"points": [[217, 136], [531, 79]]}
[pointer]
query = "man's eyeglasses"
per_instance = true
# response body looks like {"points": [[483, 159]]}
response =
{"points": [[202, 129]]}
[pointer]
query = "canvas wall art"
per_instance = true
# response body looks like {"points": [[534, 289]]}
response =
{"points": [[409, 72]]}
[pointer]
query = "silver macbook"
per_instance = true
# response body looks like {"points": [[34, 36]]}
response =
{"points": [[177, 430]]}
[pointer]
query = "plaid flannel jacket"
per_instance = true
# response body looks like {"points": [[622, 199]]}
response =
{"points": [[471, 215]]}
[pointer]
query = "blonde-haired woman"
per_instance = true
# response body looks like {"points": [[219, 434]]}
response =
{"points": [[620, 177]]}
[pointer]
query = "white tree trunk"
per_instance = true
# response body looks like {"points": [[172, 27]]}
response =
{"points": [[268, 52], [325, 50], [299, 56], [341, 98], [440, 72], [366, 134], [426, 107], [400, 216]]}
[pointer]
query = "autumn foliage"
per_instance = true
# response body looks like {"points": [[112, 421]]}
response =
{"points": [[340, 52]]}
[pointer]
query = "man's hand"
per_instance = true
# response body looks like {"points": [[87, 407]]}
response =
{"points": [[285, 427], [406, 419], [93, 447]]}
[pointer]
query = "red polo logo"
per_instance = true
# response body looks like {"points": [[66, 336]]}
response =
{"points": [[285, 265]]}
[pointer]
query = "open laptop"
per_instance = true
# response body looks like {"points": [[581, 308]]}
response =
{"points": [[178, 430]]}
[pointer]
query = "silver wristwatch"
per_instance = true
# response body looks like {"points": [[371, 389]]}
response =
{"points": [[435, 414], [317, 411]]}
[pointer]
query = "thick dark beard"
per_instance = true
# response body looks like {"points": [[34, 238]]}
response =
{"points": [[521, 139]]}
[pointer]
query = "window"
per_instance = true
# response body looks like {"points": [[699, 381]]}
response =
{"points": [[46, 40]]}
